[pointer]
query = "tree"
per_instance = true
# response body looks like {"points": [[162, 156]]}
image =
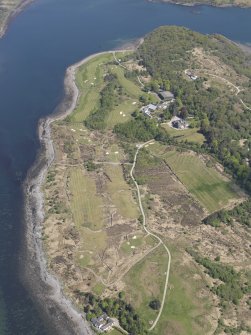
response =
{"points": [[183, 112], [122, 295], [155, 304]]}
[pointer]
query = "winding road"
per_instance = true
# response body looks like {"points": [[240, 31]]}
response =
{"points": [[152, 234]]}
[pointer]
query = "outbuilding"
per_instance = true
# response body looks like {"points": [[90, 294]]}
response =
{"points": [[166, 95]]}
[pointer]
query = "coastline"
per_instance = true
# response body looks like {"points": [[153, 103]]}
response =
{"points": [[43, 285], [199, 3], [19, 8]]}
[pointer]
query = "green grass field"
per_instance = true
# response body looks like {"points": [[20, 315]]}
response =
{"points": [[145, 282], [184, 313], [115, 332], [129, 246], [90, 80], [121, 113], [86, 210], [211, 189], [190, 135], [120, 192], [132, 89], [93, 241]]}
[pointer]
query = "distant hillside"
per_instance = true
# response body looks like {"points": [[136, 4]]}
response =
{"points": [[219, 100], [217, 3]]}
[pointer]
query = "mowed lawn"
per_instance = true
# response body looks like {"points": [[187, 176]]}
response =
{"points": [[120, 192], [86, 206], [130, 87], [121, 113], [190, 134], [90, 80], [212, 189], [115, 332]]}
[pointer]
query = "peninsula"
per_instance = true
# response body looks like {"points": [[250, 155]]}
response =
{"points": [[146, 187]]}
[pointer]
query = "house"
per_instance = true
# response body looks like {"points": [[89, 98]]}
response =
{"points": [[108, 326], [147, 110], [97, 323], [103, 323], [152, 107], [166, 95], [180, 124]]}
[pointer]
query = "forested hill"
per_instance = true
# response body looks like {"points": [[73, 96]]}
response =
{"points": [[219, 99], [168, 49]]}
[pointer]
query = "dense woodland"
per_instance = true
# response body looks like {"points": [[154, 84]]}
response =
{"points": [[166, 53]]}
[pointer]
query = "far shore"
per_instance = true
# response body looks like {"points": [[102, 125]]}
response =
{"points": [[63, 317], [201, 3], [13, 14]]}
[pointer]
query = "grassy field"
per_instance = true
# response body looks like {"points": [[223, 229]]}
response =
{"points": [[93, 241], [121, 113], [212, 189], [115, 332], [145, 282], [90, 80], [132, 89], [86, 210], [129, 246], [190, 135], [184, 313], [120, 192]]}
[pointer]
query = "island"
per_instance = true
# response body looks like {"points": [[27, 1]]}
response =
{"points": [[8, 9], [146, 191]]}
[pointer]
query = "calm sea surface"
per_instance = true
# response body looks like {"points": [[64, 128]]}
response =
{"points": [[40, 43]]}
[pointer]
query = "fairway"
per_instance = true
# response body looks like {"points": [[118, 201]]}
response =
{"points": [[86, 210], [212, 189], [120, 193], [90, 80], [121, 113], [132, 89]]}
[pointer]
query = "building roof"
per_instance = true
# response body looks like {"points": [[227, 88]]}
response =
{"points": [[166, 95], [108, 325], [152, 107]]}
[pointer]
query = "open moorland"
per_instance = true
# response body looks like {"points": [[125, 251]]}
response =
{"points": [[114, 208]]}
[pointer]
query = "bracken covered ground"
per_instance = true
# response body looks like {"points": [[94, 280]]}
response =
{"points": [[92, 230]]}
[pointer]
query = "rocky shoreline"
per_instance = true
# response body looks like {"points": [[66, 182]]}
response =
{"points": [[19, 8], [47, 291]]}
